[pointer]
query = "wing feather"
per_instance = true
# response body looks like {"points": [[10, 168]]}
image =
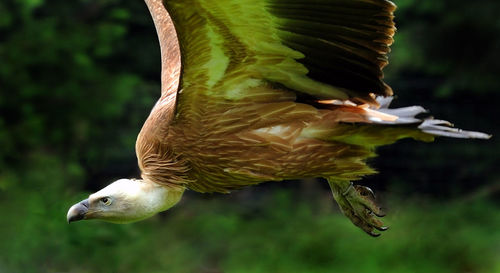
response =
{"points": [[323, 49], [169, 46]]}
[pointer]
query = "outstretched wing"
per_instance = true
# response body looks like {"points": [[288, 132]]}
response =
{"points": [[323, 49], [169, 46]]}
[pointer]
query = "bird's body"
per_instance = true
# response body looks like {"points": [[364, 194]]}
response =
{"points": [[269, 90], [267, 138], [234, 125]]}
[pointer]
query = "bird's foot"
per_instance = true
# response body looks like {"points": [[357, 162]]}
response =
{"points": [[358, 204]]}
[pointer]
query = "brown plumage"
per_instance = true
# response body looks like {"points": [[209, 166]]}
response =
{"points": [[215, 144], [268, 90]]}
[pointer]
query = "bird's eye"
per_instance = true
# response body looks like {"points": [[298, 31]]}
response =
{"points": [[106, 201]]}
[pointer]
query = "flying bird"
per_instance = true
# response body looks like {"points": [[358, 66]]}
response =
{"points": [[266, 90]]}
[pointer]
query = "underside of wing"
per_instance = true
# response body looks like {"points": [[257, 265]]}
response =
{"points": [[322, 49]]}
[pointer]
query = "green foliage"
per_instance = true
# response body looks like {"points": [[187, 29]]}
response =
{"points": [[58, 81], [451, 43], [279, 234]]}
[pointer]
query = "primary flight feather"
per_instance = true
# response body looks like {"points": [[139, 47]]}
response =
{"points": [[266, 90]]}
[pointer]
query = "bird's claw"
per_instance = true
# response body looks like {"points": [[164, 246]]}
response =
{"points": [[369, 200], [364, 191], [358, 204]]}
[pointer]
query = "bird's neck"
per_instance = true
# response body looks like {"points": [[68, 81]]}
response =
{"points": [[156, 198]]}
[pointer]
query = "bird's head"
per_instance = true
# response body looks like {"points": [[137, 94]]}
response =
{"points": [[125, 201]]}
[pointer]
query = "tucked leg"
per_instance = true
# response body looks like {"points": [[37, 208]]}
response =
{"points": [[358, 204]]}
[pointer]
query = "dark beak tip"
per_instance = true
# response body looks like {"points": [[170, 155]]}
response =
{"points": [[77, 211], [74, 218]]}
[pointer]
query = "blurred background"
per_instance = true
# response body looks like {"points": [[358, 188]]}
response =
{"points": [[78, 78]]}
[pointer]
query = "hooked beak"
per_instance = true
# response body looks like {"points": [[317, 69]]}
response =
{"points": [[77, 211]]}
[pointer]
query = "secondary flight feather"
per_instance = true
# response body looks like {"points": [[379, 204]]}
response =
{"points": [[266, 90]]}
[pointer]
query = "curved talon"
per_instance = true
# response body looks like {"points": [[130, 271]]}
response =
{"points": [[368, 201], [382, 228], [373, 222], [379, 214], [364, 191]]}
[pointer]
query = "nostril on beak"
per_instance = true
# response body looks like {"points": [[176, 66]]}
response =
{"points": [[85, 203]]}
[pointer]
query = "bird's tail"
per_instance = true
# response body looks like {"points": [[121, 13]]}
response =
{"points": [[428, 125], [369, 126]]}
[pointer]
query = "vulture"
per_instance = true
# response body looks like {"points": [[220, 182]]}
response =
{"points": [[266, 90]]}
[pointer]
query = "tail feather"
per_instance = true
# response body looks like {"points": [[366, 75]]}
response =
{"points": [[397, 123], [444, 128], [436, 127]]}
